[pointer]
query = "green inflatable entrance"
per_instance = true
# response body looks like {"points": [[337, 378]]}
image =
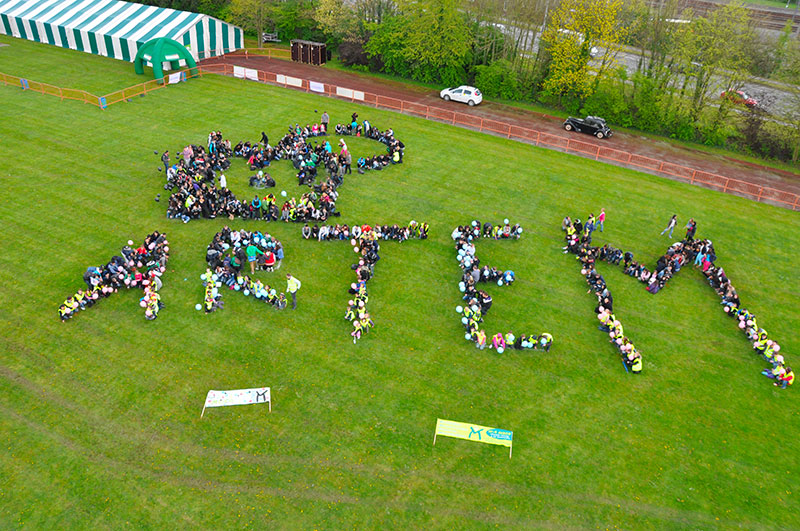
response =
{"points": [[157, 51]]}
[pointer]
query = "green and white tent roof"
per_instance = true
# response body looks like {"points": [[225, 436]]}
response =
{"points": [[114, 28]]}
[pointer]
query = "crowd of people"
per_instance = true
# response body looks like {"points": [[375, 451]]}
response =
{"points": [[226, 257], [394, 147], [135, 267], [699, 253], [382, 232], [478, 301], [365, 240], [199, 186]]}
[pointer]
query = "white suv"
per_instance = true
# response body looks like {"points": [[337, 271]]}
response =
{"points": [[465, 94]]}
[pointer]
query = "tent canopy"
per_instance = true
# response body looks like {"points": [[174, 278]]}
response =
{"points": [[114, 28]]}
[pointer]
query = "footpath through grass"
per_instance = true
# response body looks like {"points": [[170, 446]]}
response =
{"points": [[99, 416]]}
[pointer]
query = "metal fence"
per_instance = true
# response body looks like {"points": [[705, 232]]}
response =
{"points": [[101, 102], [601, 153]]}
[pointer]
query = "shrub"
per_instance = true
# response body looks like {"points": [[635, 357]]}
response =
{"points": [[608, 101], [352, 52], [498, 80]]}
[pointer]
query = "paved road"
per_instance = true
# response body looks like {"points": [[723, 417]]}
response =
{"points": [[779, 103]]}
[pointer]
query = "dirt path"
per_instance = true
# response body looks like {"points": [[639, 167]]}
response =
{"points": [[657, 149]]}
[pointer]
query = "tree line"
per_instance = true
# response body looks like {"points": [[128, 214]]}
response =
{"points": [[647, 64]]}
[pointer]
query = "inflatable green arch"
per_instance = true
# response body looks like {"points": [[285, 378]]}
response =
{"points": [[159, 50]]}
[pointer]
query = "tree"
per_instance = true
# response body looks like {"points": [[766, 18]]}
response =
{"points": [[428, 40], [336, 18], [252, 15], [708, 60], [348, 20], [437, 41], [373, 12], [215, 8], [294, 19], [788, 68], [385, 46], [790, 72], [575, 27]]}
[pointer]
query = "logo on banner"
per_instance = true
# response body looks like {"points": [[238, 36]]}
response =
{"points": [[503, 435]]}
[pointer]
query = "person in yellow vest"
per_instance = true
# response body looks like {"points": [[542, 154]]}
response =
{"points": [[776, 371], [787, 379], [636, 366], [480, 339], [545, 341], [366, 322], [357, 328], [760, 344], [769, 351], [423, 231], [292, 285], [350, 314]]}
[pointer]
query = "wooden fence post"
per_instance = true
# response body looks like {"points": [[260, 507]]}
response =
{"points": [[760, 191]]}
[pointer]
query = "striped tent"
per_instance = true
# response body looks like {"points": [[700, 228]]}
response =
{"points": [[114, 28]]}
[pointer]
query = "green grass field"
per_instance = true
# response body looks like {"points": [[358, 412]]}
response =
{"points": [[99, 416], [66, 68]]}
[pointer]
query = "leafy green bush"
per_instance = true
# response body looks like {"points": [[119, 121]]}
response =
{"points": [[647, 111], [608, 101], [498, 80], [352, 53], [385, 46], [294, 20]]}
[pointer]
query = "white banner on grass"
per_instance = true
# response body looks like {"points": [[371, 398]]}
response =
{"points": [[344, 92], [280, 78], [294, 81], [249, 73], [316, 87], [238, 397], [238, 71], [358, 95], [174, 78]]}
